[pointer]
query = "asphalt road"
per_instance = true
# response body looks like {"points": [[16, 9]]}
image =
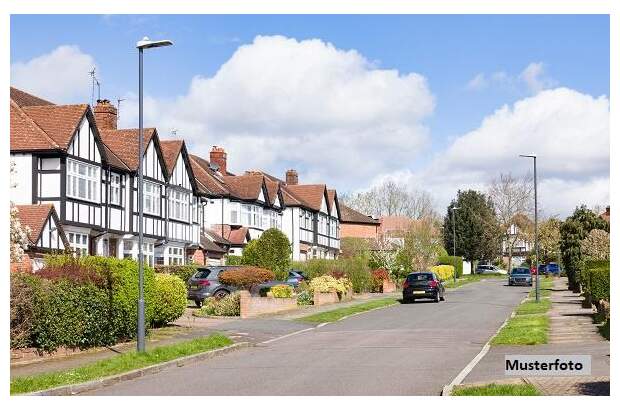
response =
{"points": [[412, 349]]}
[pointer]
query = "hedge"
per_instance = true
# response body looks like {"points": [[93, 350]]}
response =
{"points": [[281, 291], [96, 306], [183, 272], [452, 260], [233, 260], [245, 277], [445, 272], [229, 305]]}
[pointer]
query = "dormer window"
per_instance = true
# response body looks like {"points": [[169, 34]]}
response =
{"points": [[82, 181]]}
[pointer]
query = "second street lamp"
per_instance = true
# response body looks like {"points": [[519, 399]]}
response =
{"points": [[535, 226], [141, 46]]}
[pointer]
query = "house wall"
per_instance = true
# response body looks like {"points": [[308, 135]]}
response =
{"points": [[21, 183], [290, 226], [353, 230]]}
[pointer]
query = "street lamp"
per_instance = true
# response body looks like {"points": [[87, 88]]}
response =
{"points": [[141, 46], [533, 156], [454, 208]]}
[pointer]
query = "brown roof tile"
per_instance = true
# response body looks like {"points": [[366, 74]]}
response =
{"points": [[59, 122], [171, 150], [350, 215], [246, 187], [34, 216], [25, 134], [23, 99], [206, 177], [310, 195], [124, 144], [236, 235]]}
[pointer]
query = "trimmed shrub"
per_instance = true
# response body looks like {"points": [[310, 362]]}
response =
{"points": [[281, 291], [169, 300], [233, 260], [245, 277], [444, 272], [358, 273], [452, 260], [328, 283], [229, 305], [600, 284], [271, 250], [183, 272], [317, 267], [378, 276]]}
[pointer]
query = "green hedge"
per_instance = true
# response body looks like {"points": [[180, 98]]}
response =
{"points": [[183, 272], [445, 272], [452, 260], [95, 307], [233, 260]]}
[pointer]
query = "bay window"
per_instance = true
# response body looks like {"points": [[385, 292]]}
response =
{"points": [[179, 202], [175, 256], [78, 242], [82, 181], [152, 198]]}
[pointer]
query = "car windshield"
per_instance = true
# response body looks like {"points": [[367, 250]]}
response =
{"points": [[520, 271], [419, 277], [202, 274]]}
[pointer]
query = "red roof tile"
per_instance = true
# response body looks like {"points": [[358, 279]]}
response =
{"points": [[171, 150], [309, 195], [124, 144], [24, 99], [212, 182], [236, 235], [25, 134], [350, 215], [246, 187], [59, 122], [35, 217]]}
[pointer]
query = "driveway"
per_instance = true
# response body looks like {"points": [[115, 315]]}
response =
{"points": [[412, 349]]}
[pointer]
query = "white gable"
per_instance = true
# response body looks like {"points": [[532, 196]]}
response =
{"points": [[323, 205], [276, 203], [261, 196], [83, 143]]}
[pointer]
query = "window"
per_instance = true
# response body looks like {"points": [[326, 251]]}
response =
{"points": [[130, 251], [251, 215], [79, 243], [195, 209], [152, 198], [179, 203], [115, 189], [234, 216], [275, 220], [127, 250], [82, 181], [175, 256]]}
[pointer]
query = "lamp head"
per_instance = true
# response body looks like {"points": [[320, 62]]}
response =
{"points": [[147, 43]]}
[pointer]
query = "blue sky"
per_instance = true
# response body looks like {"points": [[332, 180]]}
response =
{"points": [[447, 50]]}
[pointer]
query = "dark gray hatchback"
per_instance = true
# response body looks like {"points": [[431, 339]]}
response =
{"points": [[205, 283], [423, 285]]}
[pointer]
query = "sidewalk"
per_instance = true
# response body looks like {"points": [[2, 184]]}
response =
{"points": [[571, 332]]}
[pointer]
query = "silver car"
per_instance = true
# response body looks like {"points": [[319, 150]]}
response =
{"points": [[205, 283]]}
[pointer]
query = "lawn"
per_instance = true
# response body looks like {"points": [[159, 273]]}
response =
{"points": [[464, 280], [118, 364], [546, 284], [497, 390], [524, 330], [531, 307], [336, 314]]}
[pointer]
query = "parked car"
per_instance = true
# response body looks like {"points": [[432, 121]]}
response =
{"points": [[205, 283], [295, 277], [542, 269], [423, 285], [553, 269], [489, 269], [520, 276]]}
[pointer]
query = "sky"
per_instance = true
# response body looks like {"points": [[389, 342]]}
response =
{"points": [[438, 102]]}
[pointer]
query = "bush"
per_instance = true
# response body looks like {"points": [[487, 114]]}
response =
{"points": [[271, 250], [183, 272], [317, 267], [378, 276], [233, 260], [328, 283], [281, 291], [245, 277], [452, 260], [24, 293], [358, 273], [305, 298], [338, 274], [229, 305], [599, 282], [445, 272], [169, 300]]}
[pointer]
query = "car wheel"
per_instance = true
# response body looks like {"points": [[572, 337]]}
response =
{"points": [[437, 297], [443, 297], [198, 302], [220, 294]]}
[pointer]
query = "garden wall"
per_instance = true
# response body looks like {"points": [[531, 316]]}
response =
{"points": [[325, 298], [252, 306]]}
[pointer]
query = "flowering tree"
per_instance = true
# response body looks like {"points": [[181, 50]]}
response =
{"points": [[596, 245], [18, 233]]}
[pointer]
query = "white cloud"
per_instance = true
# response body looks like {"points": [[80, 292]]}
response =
{"points": [[532, 79], [280, 103], [568, 131], [60, 76]]}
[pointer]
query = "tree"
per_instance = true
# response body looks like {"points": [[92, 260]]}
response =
{"points": [[18, 233], [391, 198], [422, 245], [478, 236], [549, 240], [512, 200], [271, 251], [595, 247], [384, 255], [351, 247]]}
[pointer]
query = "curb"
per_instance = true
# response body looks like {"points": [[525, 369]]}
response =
{"points": [[73, 389]]}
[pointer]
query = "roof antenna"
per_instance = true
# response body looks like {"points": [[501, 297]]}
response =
{"points": [[118, 108], [93, 80], [173, 132]]}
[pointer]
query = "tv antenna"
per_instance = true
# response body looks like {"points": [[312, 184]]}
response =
{"points": [[174, 132], [94, 81], [118, 108]]}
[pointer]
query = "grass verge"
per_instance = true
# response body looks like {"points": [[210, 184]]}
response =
{"points": [[546, 284], [524, 330], [497, 390], [118, 364], [336, 314], [464, 280], [531, 307]]}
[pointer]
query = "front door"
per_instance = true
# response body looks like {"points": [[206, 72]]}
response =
{"points": [[112, 247]]}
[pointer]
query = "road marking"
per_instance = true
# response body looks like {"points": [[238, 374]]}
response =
{"points": [[447, 389], [287, 335]]}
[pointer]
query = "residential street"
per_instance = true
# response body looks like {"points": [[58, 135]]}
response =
{"points": [[412, 349]]}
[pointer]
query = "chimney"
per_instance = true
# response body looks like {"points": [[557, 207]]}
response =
{"points": [[291, 177], [105, 115], [217, 156]]}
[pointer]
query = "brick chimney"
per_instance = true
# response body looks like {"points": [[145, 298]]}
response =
{"points": [[217, 156], [105, 115], [291, 177]]}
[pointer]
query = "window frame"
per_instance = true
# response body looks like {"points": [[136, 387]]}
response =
{"points": [[91, 181]]}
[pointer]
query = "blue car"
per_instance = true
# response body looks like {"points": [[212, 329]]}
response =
{"points": [[520, 276], [553, 269]]}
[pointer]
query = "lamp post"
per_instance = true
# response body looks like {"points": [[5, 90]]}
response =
{"points": [[141, 46], [454, 208], [535, 226]]}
